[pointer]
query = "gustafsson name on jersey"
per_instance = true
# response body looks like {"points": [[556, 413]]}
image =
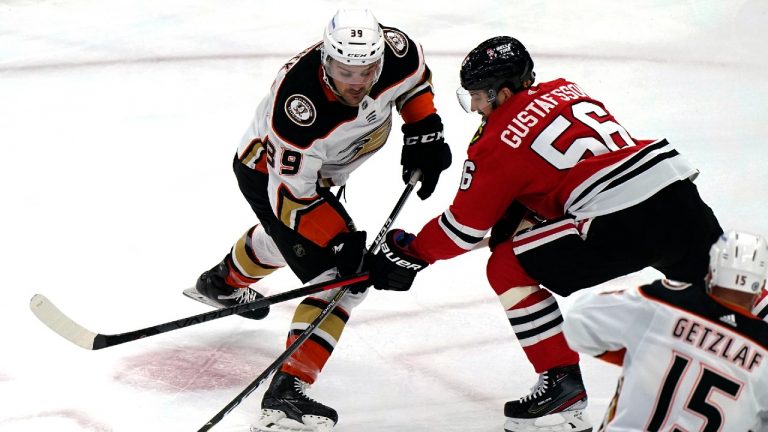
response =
{"points": [[522, 123], [711, 340]]}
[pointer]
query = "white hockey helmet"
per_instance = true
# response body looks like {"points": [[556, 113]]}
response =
{"points": [[354, 37], [353, 47], [739, 261]]}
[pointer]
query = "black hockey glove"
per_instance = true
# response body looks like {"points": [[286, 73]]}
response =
{"points": [[349, 251], [509, 224], [424, 148], [393, 267]]}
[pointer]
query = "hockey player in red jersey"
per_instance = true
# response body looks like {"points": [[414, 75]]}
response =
{"points": [[328, 110], [698, 361], [761, 306], [605, 204]]}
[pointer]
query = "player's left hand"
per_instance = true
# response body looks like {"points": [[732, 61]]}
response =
{"points": [[348, 249], [349, 253], [505, 227], [424, 148], [515, 219]]}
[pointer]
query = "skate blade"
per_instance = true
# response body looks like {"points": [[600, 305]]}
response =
{"points": [[567, 421], [276, 421], [195, 295]]}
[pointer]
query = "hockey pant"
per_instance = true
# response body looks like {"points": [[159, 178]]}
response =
{"points": [[271, 245], [671, 231]]}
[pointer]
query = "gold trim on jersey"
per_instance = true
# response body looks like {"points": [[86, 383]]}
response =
{"points": [[288, 205], [315, 218], [610, 412], [253, 153]]}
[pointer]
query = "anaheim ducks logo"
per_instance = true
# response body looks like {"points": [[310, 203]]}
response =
{"points": [[300, 109], [366, 144], [397, 41]]}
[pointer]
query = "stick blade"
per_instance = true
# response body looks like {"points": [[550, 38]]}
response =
{"points": [[52, 317]]}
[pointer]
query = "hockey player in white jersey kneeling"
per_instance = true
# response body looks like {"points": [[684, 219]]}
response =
{"points": [[693, 354]]}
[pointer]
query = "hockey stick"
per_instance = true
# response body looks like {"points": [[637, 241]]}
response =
{"points": [[56, 320], [60, 323], [319, 320]]}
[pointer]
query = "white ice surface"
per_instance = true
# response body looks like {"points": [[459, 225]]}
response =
{"points": [[118, 122]]}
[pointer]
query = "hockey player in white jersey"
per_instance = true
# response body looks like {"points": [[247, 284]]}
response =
{"points": [[694, 357], [329, 109]]}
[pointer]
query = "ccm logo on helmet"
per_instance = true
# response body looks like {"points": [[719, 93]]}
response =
{"points": [[430, 137], [397, 260]]}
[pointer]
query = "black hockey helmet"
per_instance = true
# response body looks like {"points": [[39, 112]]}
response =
{"points": [[496, 62]]}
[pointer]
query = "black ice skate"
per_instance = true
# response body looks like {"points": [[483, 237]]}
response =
{"points": [[212, 290], [286, 407], [557, 403]]}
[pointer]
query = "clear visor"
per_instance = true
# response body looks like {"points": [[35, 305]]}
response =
{"points": [[353, 74], [475, 100]]}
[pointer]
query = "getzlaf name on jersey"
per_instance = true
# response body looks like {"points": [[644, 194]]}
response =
{"points": [[692, 363]]}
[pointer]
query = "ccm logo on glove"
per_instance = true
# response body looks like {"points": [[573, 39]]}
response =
{"points": [[424, 149], [427, 138], [387, 252]]}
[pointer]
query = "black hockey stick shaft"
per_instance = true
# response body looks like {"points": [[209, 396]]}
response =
{"points": [[103, 341], [60, 323], [317, 321]]}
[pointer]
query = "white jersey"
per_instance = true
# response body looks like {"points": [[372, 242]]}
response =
{"points": [[303, 137], [690, 362]]}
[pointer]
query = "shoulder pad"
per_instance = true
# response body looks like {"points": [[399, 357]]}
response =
{"points": [[401, 60], [397, 41], [302, 112]]}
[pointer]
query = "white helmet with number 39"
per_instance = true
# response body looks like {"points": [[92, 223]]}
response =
{"points": [[353, 36], [739, 261], [354, 39]]}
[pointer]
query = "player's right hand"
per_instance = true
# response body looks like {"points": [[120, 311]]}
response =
{"points": [[394, 267]]}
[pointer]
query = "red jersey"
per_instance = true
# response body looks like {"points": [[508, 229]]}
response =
{"points": [[557, 151]]}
